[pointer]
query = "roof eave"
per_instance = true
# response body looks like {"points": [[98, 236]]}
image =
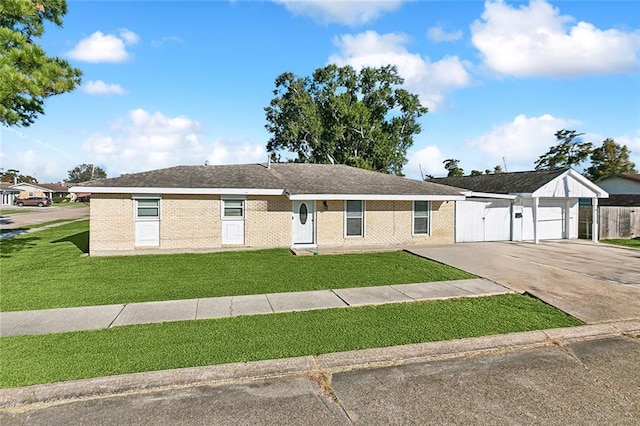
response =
{"points": [[490, 195], [377, 197], [164, 190]]}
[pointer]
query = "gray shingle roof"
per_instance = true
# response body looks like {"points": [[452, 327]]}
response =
{"points": [[294, 178], [504, 183]]}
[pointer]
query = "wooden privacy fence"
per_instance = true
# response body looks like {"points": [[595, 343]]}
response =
{"points": [[615, 222]]}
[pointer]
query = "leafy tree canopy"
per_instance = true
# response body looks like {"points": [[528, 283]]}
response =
{"points": [[29, 76], [85, 172], [13, 175], [609, 160], [570, 151], [451, 166], [363, 119]]}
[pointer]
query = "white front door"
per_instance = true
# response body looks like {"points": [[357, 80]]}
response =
{"points": [[303, 222]]}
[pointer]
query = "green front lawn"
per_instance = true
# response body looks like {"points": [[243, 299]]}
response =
{"points": [[48, 269], [29, 360], [633, 243]]}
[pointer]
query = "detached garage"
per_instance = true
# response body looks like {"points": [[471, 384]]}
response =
{"points": [[522, 206]]}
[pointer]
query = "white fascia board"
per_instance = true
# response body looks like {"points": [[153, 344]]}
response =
{"points": [[490, 195], [158, 190], [376, 197], [598, 192]]}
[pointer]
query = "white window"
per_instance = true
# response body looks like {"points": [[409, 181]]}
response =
{"points": [[421, 223], [233, 209], [354, 218], [147, 208]]}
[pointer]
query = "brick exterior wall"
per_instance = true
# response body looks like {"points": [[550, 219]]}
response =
{"points": [[190, 221], [194, 222], [111, 222], [268, 221], [385, 222]]}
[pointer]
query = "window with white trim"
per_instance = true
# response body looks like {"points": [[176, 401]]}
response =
{"points": [[233, 209], [421, 223], [147, 208], [354, 218]]}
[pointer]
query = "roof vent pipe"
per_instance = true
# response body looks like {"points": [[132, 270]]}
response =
{"points": [[268, 162]]}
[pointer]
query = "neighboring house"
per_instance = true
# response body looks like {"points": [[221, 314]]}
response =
{"points": [[8, 193], [620, 213], [522, 206], [199, 208], [624, 190], [58, 190], [32, 190]]}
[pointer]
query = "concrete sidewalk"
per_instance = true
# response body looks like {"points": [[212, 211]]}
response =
{"points": [[106, 316]]}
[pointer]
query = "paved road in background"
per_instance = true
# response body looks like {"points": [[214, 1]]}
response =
{"points": [[38, 215], [583, 382]]}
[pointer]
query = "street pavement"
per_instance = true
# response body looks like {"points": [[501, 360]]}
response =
{"points": [[33, 216], [583, 375]]}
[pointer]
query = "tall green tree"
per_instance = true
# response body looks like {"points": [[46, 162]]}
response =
{"points": [[610, 159], [13, 175], [339, 115], [571, 150], [29, 76], [85, 172], [452, 168]]}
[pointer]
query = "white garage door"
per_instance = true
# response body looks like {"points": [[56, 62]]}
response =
{"points": [[551, 219], [483, 220]]}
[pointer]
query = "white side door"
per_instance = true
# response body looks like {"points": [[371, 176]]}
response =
{"points": [[148, 233], [303, 222], [233, 214], [147, 221]]}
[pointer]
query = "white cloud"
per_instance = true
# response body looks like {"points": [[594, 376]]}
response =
{"points": [[439, 34], [537, 40], [355, 12], [157, 44], [425, 161], [99, 87], [430, 80], [146, 141], [100, 47], [520, 142], [129, 36]]}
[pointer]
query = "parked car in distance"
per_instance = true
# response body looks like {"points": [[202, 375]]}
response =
{"points": [[33, 201]]}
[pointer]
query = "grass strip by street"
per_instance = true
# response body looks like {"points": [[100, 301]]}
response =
{"points": [[632, 243], [49, 358], [64, 277]]}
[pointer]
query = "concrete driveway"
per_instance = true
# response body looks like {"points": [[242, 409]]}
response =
{"points": [[593, 282]]}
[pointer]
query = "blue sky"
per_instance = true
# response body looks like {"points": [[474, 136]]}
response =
{"points": [[169, 83]]}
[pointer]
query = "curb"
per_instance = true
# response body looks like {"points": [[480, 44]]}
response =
{"points": [[59, 393]]}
